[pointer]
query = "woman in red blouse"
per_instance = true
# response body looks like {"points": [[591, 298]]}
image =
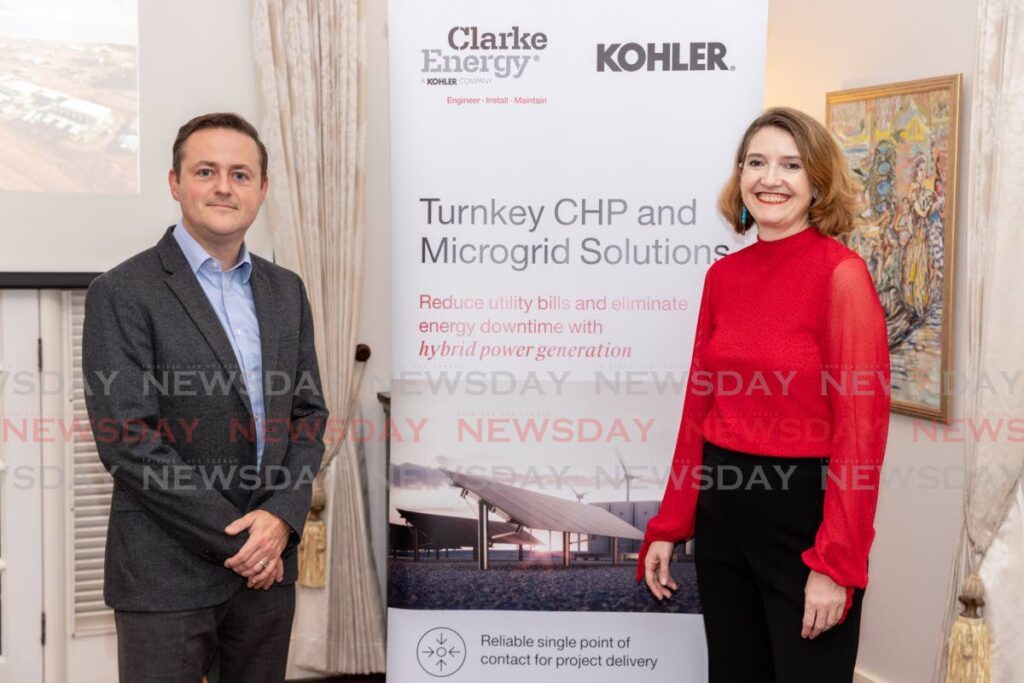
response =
{"points": [[776, 466]]}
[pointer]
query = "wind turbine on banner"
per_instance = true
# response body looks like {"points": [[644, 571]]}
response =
{"points": [[579, 496], [579, 499], [626, 476]]}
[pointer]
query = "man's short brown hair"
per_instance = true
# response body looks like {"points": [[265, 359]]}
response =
{"points": [[217, 120]]}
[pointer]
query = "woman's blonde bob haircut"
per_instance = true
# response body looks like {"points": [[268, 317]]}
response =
{"points": [[837, 203]]}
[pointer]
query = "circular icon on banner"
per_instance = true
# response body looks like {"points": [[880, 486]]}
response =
{"points": [[441, 652]]}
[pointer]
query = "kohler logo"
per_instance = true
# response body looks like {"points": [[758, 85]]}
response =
{"points": [[662, 57]]}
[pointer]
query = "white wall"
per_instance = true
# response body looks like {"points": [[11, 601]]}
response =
{"points": [[814, 48]]}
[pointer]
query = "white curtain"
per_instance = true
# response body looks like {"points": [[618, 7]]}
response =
{"points": [[1003, 574], [995, 335], [309, 61]]}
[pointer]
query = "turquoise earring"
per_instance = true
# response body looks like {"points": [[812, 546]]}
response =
{"points": [[743, 217]]}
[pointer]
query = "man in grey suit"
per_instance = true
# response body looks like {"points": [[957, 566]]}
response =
{"points": [[204, 395]]}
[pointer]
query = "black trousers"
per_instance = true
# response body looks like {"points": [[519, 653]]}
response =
{"points": [[243, 640], [755, 516]]}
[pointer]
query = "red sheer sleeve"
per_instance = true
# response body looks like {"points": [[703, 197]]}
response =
{"points": [[856, 377], [674, 521]]}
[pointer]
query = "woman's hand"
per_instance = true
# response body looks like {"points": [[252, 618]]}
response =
{"points": [[824, 602], [659, 553]]}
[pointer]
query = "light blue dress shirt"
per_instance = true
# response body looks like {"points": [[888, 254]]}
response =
{"points": [[230, 295]]}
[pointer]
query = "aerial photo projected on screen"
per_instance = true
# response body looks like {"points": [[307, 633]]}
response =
{"points": [[69, 100]]}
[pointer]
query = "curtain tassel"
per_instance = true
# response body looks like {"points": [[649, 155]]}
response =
{"points": [[970, 653], [313, 552]]}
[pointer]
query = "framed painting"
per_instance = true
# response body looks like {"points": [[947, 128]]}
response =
{"points": [[901, 144]]}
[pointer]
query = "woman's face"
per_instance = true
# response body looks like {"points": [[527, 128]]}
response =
{"points": [[773, 183]]}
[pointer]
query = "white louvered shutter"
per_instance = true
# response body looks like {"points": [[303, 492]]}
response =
{"points": [[89, 492]]}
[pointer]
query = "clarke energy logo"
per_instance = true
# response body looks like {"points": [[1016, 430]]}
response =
{"points": [[705, 56], [476, 55]]}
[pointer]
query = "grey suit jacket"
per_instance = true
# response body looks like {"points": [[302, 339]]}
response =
{"points": [[173, 425]]}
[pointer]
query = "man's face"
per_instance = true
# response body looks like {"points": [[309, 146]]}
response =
{"points": [[219, 188]]}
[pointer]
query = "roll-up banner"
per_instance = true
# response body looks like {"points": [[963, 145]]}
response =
{"points": [[555, 170]]}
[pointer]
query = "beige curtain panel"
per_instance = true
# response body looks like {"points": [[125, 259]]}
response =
{"points": [[309, 62], [995, 334]]}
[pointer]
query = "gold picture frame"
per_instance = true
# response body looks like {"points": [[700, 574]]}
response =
{"points": [[901, 141]]}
